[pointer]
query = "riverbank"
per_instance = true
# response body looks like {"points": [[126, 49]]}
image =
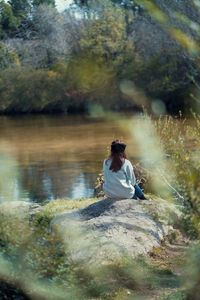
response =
{"points": [[29, 245]]}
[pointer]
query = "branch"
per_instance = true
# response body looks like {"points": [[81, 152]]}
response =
{"points": [[166, 181]]}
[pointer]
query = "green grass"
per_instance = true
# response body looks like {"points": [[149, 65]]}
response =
{"points": [[54, 208], [179, 295]]}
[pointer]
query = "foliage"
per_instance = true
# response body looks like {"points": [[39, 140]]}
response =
{"points": [[20, 8], [49, 34], [25, 91], [7, 20], [192, 273], [170, 73], [180, 295], [16, 16], [103, 49], [90, 76], [42, 2], [105, 36], [181, 142], [127, 4], [8, 58]]}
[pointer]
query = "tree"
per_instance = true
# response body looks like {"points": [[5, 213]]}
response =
{"points": [[20, 8], [46, 38], [123, 3], [105, 36], [73, 28], [129, 7], [23, 10], [7, 19], [8, 58], [43, 2], [50, 32]]}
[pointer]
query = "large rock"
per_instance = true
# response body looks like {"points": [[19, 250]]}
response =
{"points": [[111, 228]]}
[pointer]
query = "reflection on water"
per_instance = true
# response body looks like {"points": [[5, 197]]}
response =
{"points": [[56, 156], [57, 180]]}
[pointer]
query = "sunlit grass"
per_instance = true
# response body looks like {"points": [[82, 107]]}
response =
{"points": [[56, 207]]}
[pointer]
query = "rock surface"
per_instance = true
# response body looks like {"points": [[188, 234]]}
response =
{"points": [[111, 228]]}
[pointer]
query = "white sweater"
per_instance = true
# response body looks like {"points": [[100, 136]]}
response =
{"points": [[119, 184]]}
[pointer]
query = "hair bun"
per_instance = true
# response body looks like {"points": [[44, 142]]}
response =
{"points": [[117, 146]]}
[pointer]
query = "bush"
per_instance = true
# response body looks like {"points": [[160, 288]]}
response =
{"points": [[180, 139], [27, 91], [8, 58]]}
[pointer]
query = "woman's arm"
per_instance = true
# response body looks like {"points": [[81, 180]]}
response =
{"points": [[104, 167], [130, 173]]}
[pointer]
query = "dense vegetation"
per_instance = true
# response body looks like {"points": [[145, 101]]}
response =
{"points": [[118, 54]]}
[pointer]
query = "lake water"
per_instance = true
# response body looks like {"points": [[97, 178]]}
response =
{"points": [[44, 158]]}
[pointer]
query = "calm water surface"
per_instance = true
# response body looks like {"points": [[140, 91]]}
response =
{"points": [[49, 157]]}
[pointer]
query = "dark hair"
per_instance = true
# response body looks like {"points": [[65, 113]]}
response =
{"points": [[117, 155]]}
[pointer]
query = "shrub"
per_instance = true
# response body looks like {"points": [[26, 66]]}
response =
{"points": [[180, 139], [31, 91]]}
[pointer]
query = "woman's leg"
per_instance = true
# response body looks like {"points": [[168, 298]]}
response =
{"points": [[134, 197], [138, 192]]}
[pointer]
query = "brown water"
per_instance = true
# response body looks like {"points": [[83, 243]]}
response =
{"points": [[50, 157]]}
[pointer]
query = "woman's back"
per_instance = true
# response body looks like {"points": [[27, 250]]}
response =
{"points": [[119, 184]]}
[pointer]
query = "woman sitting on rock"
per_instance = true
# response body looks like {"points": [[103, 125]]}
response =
{"points": [[119, 177]]}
